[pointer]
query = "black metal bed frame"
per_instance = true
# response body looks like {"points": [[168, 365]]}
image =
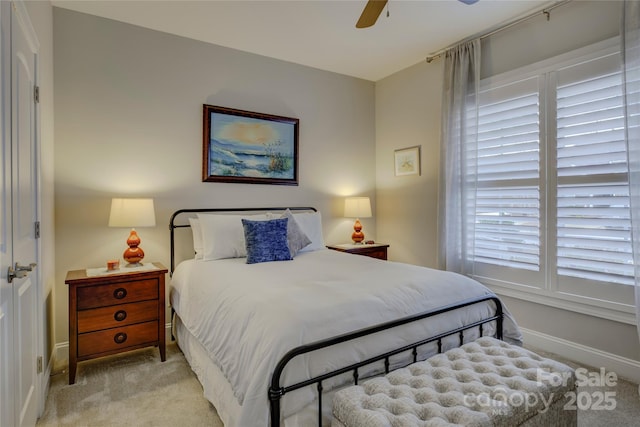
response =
{"points": [[276, 392]]}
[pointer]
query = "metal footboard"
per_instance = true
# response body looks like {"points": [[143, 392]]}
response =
{"points": [[276, 391]]}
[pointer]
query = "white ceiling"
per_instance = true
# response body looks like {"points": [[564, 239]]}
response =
{"points": [[320, 33]]}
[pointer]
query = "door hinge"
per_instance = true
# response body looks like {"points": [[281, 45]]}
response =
{"points": [[37, 229], [36, 94], [40, 367]]}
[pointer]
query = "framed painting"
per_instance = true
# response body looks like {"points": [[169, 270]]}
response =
{"points": [[407, 161], [251, 148]]}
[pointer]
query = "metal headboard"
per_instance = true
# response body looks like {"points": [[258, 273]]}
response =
{"points": [[173, 225]]}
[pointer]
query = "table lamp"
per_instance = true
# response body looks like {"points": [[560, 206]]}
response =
{"points": [[132, 213], [357, 207]]}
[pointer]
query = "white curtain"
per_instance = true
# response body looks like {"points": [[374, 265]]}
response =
{"points": [[458, 148], [631, 57]]}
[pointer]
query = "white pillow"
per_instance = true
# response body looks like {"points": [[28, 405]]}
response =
{"points": [[223, 235], [198, 245], [296, 238], [311, 225]]}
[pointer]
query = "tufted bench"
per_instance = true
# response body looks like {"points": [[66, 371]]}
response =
{"points": [[482, 383]]}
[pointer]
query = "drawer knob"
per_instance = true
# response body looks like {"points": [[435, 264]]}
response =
{"points": [[120, 315], [120, 293], [120, 337]]}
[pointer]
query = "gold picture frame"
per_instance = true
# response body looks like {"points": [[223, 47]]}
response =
{"points": [[407, 161], [251, 148]]}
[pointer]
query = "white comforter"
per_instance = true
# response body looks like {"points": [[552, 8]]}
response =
{"points": [[248, 316]]}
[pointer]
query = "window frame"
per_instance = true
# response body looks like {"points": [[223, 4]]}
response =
{"points": [[545, 288]]}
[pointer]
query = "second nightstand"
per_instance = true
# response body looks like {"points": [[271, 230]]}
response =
{"points": [[374, 250], [112, 313]]}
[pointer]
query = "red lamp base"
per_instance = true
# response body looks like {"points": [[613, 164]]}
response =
{"points": [[133, 254], [358, 235]]}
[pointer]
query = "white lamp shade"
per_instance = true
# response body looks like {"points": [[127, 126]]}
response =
{"points": [[132, 213], [357, 207]]}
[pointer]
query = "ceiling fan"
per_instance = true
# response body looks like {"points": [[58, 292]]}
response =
{"points": [[373, 9]]}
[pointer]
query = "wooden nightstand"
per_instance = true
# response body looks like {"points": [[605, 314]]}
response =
{"points": [[112, 313], [374, 250]]}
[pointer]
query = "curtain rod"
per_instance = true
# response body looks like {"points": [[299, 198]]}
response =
{"points": [[546, 11]]}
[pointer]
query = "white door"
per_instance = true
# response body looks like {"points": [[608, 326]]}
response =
{"points": [[22, 216]]}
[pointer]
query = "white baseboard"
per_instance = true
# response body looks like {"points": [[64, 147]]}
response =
{"points": [[60, 356], [44, 384], [593, 357]]}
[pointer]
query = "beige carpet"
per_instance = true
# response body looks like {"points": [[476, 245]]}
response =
{"points": [[625, 395], [136, 389], [131, 389]]}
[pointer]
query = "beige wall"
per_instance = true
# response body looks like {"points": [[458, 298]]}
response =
{"points": [[408, 113], [129, 123]]}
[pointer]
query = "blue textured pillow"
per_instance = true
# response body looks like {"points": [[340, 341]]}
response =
{"points": [[266, 240]]}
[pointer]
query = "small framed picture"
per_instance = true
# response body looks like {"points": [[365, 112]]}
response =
{"points": [[407, 161]]}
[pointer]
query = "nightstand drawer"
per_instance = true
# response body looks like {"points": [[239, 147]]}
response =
{"points": [[377, 253], [372, 250], [117, 338], [117, 316], [117, 293]]}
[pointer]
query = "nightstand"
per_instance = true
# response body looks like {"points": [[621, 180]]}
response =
{"points": [[374, 250], [111, 313]]}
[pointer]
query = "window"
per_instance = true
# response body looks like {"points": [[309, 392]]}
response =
{"points": [[552, 213]]}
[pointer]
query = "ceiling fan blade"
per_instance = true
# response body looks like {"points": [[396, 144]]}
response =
{"points": [[370, 13]]}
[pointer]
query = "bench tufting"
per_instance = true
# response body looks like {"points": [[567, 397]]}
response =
{"points": [[486, 382]]}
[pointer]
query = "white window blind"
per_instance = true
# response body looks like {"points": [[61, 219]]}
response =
{"points": [[594, 238], [590, 126], [507, 230], [508, 227], [593, 215]]}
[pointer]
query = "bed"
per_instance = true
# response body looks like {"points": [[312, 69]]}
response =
{"points": [[270, 341]]}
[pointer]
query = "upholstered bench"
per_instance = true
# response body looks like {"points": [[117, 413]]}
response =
{"points": [[487, 382]]}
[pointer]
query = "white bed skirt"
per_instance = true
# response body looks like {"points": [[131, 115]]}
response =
{"points": [[217, 389]]}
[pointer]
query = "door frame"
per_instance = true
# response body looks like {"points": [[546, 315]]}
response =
{"points": [[7, 411]]}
